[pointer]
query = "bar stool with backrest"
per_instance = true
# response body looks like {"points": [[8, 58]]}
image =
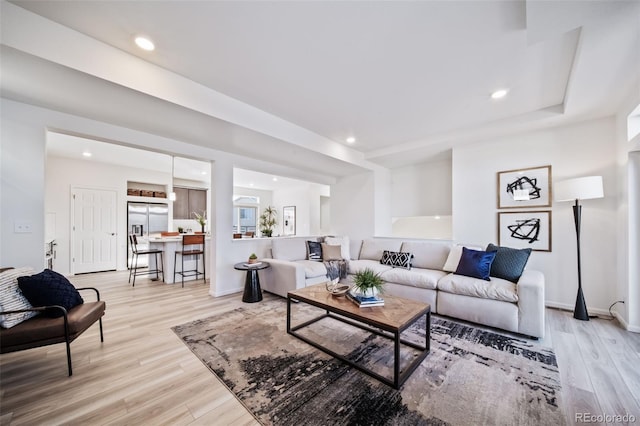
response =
{"points": [[192, 245], [133, 270]]}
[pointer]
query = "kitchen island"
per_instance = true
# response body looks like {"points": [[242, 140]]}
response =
{"points": [[169, 245]]}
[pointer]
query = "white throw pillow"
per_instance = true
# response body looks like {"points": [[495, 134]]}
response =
{"points": [[12, 299], [343, 242], [454, 257]]}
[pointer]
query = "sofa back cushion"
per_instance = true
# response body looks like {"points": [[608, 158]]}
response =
{"points": [[373, 249], [289, 248], [427, 254], [344, 244]]}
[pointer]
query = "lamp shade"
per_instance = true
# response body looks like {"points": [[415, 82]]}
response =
{"points": [[583, 188]]}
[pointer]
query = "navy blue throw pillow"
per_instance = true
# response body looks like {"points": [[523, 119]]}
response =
{"points": [[476, 264], [509, 262], [314, 250], [50, 288]]}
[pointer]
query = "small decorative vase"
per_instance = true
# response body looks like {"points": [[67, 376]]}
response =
{"points": [[202, 226]]}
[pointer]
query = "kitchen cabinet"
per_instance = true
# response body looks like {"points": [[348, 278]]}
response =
{"points": [[189, 200]]}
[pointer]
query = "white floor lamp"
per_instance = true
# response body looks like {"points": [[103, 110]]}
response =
{"points": [[577, 189]]}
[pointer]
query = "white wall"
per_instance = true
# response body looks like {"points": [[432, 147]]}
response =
{"points": [[424, 227], [421, 189], [628, 285], [21, 190], [352, 206], [632, 295], [579, 150], [421, 200], [306, 199]]}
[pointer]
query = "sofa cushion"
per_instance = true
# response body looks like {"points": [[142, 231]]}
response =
{"points": [[289, 248], [50, 288], [312, 269], [475, 263], [496, 289], [453, 259], [314, 251], [509, 262], [356, 266], [427, 255], [331, 252], [373, 249], [12, 299], [396, 259], [421, 278], [343, 242]]}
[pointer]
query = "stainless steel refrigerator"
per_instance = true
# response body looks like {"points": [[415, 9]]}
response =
{"points": [[144, 219]]}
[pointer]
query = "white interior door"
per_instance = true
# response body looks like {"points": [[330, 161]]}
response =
{"points": [[93, 230]]}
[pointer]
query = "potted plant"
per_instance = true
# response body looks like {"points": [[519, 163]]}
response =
{"points": [[253, 258], [201, 219], [268, 221], [367, 283]]}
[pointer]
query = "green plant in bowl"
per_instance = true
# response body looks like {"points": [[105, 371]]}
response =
{"points": [[368, 282]]}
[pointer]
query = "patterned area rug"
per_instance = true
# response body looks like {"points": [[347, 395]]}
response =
{"points": [[470, 377]]}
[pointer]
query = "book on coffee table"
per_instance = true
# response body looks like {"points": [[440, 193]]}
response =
{"points": [[365, 302]]}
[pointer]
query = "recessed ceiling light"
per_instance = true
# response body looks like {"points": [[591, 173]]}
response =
{"points": [[351, 139], [144, 43], [203, 173], [86, 154], [499, 94], [275, 179]]}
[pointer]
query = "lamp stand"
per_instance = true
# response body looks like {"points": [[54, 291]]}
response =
{"points": [[580, 311]]}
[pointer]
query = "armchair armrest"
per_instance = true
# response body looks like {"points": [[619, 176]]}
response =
{"points": [[90, 288]]}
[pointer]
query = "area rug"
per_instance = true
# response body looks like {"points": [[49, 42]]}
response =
{"points": [[470, 377]]}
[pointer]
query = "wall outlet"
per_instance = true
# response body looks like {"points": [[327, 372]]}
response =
{"points": [[22, 227]]}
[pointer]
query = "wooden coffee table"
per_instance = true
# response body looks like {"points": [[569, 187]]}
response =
{"points": [[388, 321]]}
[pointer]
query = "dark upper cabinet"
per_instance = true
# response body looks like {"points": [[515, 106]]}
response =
{"points": [[197, 201], [189, 200]]}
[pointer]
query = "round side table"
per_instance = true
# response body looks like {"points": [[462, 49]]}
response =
{"points": [[252, 291]]}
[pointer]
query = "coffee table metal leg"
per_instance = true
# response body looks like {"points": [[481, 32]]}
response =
{"points": [[288, 315], [396, 360]]}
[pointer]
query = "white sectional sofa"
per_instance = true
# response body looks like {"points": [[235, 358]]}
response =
{"points": [[516, 307]]}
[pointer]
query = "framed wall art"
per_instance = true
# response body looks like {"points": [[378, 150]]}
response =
{"points": [[524, 188], [530, 229], [289, 220]]}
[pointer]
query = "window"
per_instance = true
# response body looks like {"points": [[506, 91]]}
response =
{"points": [[245, 213]]}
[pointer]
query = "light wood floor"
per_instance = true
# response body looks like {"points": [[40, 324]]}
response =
{"points": [[143, 374]]}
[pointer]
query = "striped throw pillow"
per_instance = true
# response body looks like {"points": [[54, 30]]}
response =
{"points": [[11, 298]]}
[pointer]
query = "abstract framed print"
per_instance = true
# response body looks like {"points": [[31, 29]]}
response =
{"points": [[530, 229], [524, 188]]}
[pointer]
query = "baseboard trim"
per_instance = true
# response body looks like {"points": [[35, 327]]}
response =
{"points": [[227, 292], [599, 312], [625, 324], [567, 307]]}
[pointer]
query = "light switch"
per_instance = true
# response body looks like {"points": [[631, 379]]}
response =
{"points": [[22, 227]]}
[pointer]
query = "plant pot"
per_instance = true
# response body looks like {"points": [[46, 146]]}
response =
{"points": [[252, 260], [369, 292]]}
